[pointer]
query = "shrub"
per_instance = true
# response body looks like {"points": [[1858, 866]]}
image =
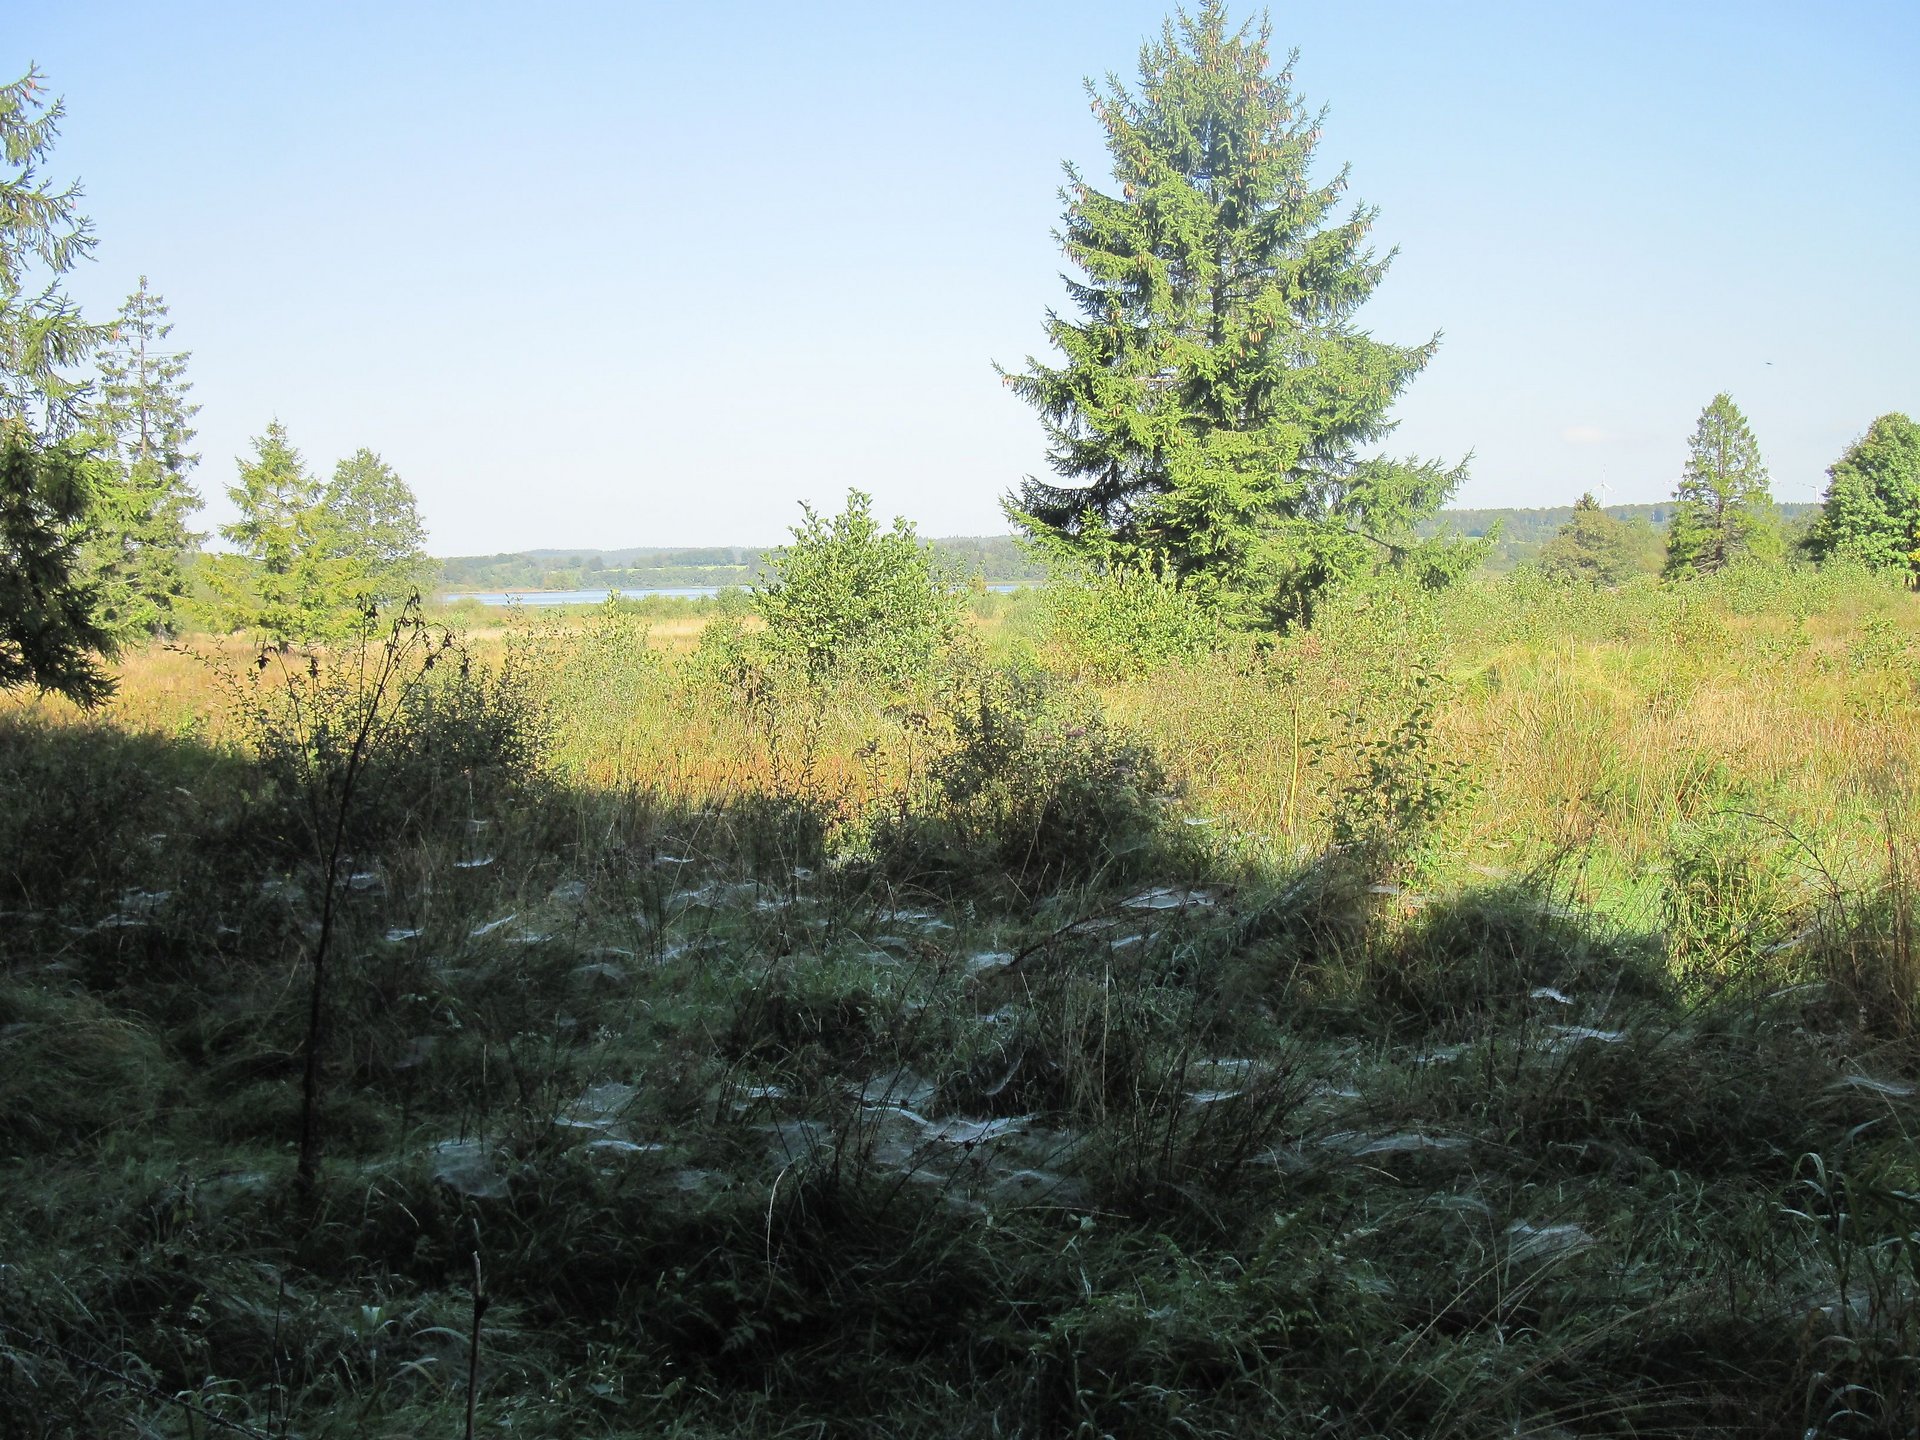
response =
{"points": [[433, 736], [1123, 623], [1400, 788], [1031, 778], [848, 597]]}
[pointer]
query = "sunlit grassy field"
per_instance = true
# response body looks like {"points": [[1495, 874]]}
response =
{"points": [[1491, 1012]]}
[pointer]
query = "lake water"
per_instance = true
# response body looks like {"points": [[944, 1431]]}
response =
{"points": [[582, 597], [599, 597]]}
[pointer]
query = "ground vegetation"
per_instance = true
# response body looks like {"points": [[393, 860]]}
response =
{"points": [[874, 1005], [997, 1053]]}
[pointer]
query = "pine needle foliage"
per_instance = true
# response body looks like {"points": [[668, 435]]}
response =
{"points": [[49, 636], [315, 557], [43, 235], [1724, 511], [1214, 396]]}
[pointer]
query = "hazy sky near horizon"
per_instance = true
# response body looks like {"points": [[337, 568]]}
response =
{"points": [[635, 274]]}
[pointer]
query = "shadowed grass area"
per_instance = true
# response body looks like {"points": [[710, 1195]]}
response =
{"points": [[799, 1061]]}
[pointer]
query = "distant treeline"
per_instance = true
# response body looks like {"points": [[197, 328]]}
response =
{"points": [[996, 559], [1523, 532]]}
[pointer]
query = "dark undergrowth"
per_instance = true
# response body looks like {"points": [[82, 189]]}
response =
{"points": [[746, 1137]]}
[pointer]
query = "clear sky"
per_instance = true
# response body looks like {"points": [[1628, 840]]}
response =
{"points": [[634, 273]]}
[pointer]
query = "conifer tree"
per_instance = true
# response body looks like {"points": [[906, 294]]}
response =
{"points": [[139, 537], [1214, 397], [286, 589], [1592, 547], [43, 235], [48, 635], [373, 533], [1724, 510], [1872, 508]]}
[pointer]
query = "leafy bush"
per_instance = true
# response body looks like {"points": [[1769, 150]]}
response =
{"points": [[848, 597], [1122, 623], [422, 733], [1031, 778], [1400, 788]]}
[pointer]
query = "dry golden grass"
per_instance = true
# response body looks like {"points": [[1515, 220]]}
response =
{"points": [[1602, 726]]}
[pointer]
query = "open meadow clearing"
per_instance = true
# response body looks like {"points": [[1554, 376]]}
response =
{"points": [[1113, 834], [1492, 1012]]}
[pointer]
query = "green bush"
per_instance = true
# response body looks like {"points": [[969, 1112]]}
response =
{"points": [[1400, 787], [849, 598], [422, 734], [1122, 623], [1029, 777]]}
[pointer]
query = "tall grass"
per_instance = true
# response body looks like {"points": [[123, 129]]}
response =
{"points": [[1493, 1012]]}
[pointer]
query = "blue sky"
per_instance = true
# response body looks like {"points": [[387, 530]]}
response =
{"points": [[619, 274]]}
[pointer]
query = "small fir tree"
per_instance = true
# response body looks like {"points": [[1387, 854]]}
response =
{"points": [[49, 636], [1593, 547], [285, 588], [1214, 394], [140, 540], [1723, 510], [373, 534], [1872, 508]]}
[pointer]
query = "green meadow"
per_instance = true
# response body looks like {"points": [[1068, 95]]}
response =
{"points": [[1492, 1011]]}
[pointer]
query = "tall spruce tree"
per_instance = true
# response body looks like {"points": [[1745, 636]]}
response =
{"points": [[1724, 510], [286, 588], [373, 533], [139, 539], [1214, 397], [49, 637], [1872, 508]]}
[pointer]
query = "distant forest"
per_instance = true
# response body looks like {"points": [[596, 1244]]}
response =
{"points": [[995, 559], [1523, 532]]}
